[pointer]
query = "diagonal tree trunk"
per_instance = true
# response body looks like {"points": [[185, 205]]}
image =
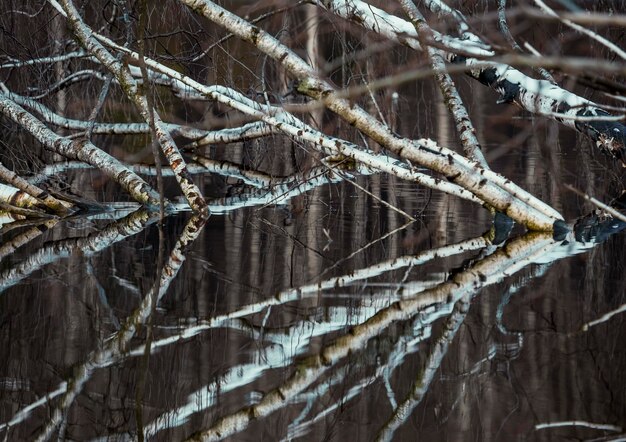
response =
{"points": [[500, 193], [136, 95], [44, 197], [539, 97], [81, 150]]}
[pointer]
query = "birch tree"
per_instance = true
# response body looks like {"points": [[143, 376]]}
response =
{"points": [[142, 80]]}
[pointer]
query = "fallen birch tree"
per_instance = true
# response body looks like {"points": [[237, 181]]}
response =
{"points": [[142, 79], [540, 97]]}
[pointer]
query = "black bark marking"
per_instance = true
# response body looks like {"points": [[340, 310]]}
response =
{"points": [[509, 91], [254, 37], [454, 177]]}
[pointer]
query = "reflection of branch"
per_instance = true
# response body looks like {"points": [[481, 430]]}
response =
{"points": [[504, 262], [407, 343], [487, 271], [536, 272], [432, 364], [89, 245], [118, 343], [595, 426], [9, 247], [283, 349], [302, 292], [605, 317], [274, 355]]}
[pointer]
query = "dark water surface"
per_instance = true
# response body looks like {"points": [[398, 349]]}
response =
{"points": [[495, 362], [518, 347]]}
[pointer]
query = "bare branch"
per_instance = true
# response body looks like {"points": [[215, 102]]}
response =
{"points": [[130, 87], [510, 199], [83, 151]]}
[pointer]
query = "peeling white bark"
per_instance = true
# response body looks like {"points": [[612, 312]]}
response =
{"points": [[43, 60], [9, 247], [103, 128]]}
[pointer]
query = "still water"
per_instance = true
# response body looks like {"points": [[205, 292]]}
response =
{"points": [[338, 306], [318, 313]]}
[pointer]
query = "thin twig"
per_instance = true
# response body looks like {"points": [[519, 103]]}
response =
{"points": [[597, 203]]}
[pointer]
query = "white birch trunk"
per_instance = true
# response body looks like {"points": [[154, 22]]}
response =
{"points": [[490, 187], [55, 205], [290, 125], [15, 197], [81, 150], [135, 94], [539, 97]]}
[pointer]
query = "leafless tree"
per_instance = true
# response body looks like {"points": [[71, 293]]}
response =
{"points": [[118, 61]]}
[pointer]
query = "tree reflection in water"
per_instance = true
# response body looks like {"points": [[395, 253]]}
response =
{"points": [[312, 366]]}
